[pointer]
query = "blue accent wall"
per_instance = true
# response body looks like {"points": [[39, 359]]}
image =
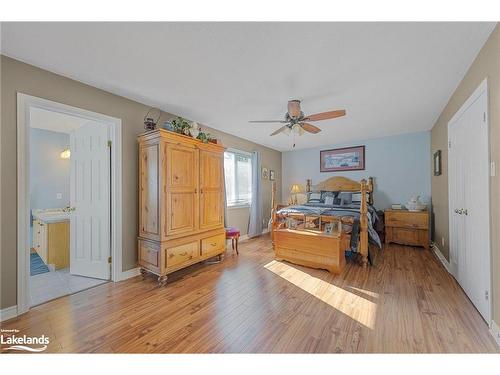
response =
{"points": [[49, 174], [400, 165]]}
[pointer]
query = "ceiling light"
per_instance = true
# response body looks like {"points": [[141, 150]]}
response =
{"points": [[65, 154]]}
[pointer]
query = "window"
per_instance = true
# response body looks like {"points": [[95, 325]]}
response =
{"points": [[238, 171]]}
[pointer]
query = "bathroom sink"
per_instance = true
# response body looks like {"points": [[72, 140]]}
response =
{"points": [[51, 215]]}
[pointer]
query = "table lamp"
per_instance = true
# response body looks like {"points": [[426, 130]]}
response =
{"points": [[296, 189]]}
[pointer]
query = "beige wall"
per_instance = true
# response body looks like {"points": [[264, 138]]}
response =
{"points": [[486, 65], [20, 77]]}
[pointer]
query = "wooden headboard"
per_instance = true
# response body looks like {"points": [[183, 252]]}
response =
{"points": [[344, 184]]}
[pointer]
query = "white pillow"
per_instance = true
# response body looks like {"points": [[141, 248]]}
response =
{"points": [[329, 201]]}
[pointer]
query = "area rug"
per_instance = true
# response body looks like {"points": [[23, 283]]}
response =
{"points": [[36, 265]]}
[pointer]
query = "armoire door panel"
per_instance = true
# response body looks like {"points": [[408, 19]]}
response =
{"points": [[181, 189], [180, 212], [211, 209], [181, 165], [211, 171], [211, 199], [148, 191]]}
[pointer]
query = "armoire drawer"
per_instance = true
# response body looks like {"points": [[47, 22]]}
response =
{"points": [[213, 244], [186, 253], [149, 255]]}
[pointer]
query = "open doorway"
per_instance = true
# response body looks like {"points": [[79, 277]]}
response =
{"points": [[69, 200], [69, 204]]}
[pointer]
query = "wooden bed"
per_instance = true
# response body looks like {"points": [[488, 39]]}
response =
{"points": [[307, 243]]}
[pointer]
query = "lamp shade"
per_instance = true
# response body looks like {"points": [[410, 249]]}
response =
{"points": [[296, 188]]}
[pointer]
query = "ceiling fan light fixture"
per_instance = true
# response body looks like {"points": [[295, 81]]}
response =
{"points": [[296, 123], [297, 129]]}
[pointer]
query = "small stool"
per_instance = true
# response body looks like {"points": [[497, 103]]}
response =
{"points": [[234, 235]]}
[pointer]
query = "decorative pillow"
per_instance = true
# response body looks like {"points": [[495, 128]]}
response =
{"points": [[329, 200], [346, 198], [325, 194], [356, 197], [314, 197]]}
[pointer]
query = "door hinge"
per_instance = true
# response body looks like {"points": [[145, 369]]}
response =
{"points": [[449, 144], [109, 144], [109, 259], [486, 295], [484, 116]]}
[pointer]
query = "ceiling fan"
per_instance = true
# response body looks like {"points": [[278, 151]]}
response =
{"points": [[295, 121]]}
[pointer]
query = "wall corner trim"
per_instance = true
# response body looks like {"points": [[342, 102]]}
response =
{"points": [[441, 257], [495, 332], [8, 313], [129, 274]]}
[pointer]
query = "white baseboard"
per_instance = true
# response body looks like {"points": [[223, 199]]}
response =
{"points": [[129, 273], [441, 257], [8, 313], [495, 332], [246, 238]]}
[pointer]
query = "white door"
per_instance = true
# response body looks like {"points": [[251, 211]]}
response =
{"points": [[469, 203], [90, 198], [456, 197]]}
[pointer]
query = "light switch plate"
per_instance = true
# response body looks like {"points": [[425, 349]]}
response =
{"points": [[59, 195]]}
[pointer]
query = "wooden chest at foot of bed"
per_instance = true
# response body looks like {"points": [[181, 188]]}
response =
{"points": [[311, 248]]}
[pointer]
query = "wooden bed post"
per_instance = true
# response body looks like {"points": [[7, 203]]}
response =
{"points": [[363, 244], [370, 190]]}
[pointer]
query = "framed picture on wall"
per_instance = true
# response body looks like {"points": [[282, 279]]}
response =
{"points": [[342, 159], [272, 175], [437, 163], [265, 173]]}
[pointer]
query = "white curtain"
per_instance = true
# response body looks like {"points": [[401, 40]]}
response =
{"points": [[255, 224]]}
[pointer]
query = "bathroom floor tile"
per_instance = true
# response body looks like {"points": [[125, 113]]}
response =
{"points": [[51, 285]]}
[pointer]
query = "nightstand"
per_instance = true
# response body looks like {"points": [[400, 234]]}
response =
{"points": [[407, 227]]}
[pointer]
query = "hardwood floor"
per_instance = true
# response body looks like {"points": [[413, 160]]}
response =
{"points": [[250, 303]]}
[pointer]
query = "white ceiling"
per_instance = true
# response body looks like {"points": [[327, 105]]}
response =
{"points": [[54, 121], [390, 77]]}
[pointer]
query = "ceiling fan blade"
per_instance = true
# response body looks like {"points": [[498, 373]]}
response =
{"points": [[279, 130], [268, 121], [325, 115], [310, 128], [294, 108]]}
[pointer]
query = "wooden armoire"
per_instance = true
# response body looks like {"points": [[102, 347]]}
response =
{"points": [[181, 203]]}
